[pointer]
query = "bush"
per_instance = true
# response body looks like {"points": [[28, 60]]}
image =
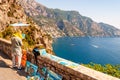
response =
{"points": [[7, 33], [113, 70], [30, 40]]}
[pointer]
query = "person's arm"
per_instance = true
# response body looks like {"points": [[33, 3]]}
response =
{"points": [[20, 42]]}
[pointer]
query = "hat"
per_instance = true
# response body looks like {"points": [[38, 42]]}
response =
{"points": [[18, 35]]}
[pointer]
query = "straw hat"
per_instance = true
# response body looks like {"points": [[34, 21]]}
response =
{"points": [[17, 35]]}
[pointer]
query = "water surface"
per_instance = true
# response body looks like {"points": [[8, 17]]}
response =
{"points": [[86, 50]]}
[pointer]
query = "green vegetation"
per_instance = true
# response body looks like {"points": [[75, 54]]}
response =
{"points": [[28, 41], [29, 38], [7, 33], [48, 36], [113, 70]]}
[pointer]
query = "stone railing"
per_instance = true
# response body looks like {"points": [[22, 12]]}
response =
{"points": [[67, 69], [5, 46]]}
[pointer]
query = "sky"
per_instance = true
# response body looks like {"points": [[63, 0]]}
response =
{"points": [[107, 11]]}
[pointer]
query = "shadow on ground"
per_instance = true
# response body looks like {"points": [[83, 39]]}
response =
{"points": [[3, 64], [5, 56], [22, 72]]}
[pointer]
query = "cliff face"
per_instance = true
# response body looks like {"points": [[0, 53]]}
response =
{"points": [[65, 23], [32, 8], [12, 12], [40, 14], [111, 30]]}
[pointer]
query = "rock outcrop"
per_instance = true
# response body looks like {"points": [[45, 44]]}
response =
{"points": [[10, 12]]}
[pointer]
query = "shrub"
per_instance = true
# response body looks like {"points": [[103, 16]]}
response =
{"points": [[113, 70], [7, 33]]}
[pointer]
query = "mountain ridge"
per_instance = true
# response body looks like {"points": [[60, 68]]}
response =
{"points": [[67, 23]]}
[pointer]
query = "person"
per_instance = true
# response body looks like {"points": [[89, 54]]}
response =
{"points": [[16, 42], [36, 52]]}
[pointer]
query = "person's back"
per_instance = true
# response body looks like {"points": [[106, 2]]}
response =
{"points": [[16, 44]]}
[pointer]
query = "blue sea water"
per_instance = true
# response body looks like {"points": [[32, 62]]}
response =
{"points": [[86, 50]]}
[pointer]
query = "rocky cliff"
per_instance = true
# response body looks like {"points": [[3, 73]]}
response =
{"points": [[12, 12], [39, 14], [66, 23]]}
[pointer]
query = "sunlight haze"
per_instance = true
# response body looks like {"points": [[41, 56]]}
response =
{"points": [[107, 11]]}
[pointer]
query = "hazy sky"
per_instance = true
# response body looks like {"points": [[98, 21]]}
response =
{"points": [[107, 11]]}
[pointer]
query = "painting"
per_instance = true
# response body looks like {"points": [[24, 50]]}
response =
{"points": [[42, 52], [44, 71], [36, 77], [31, 69], [33, 78], [53, 76]]}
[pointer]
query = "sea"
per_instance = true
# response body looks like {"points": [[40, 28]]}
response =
{"points": [[83, 50]]}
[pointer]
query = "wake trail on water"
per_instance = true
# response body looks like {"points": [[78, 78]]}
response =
{"points": [[95, 46]]}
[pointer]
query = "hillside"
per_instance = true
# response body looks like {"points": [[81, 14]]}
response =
{"points": [[66, 23], [12, 12], [39, 14]]}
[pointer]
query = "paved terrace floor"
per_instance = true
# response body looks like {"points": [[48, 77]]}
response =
{"points": [[6, 72]]}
